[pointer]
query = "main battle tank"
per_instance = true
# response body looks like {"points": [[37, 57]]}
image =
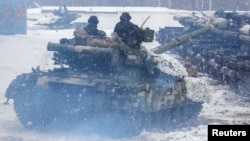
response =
{"points": [[105, 87], [223, 53], [62, 19]]}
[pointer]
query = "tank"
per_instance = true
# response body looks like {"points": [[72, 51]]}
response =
{"points": [[222, 53], [65, 22], [61, 18], [105, 87]]}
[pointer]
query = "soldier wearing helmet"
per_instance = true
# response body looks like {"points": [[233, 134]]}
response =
{"points": [[130, 33], [89, 31], [91, 28]]}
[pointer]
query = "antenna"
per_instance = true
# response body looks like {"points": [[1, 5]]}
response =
{"points": [[145, 21]]}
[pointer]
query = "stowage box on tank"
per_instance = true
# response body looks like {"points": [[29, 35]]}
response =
{"points": [[105, 87]]}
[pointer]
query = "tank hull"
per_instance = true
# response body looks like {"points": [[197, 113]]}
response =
{"points": [[46, 99]]}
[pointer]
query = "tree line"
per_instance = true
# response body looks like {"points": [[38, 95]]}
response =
{"points": [[204, 5]]}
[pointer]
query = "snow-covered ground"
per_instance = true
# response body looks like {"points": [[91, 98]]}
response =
{"points": [[19, 53]]}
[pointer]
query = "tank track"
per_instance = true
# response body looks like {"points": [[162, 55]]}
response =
{"points": [[38, 108], [30, 102], [171, 118]]}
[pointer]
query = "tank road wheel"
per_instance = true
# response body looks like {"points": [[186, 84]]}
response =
{"points": [[191, 110], [32, 108], [172, 118], [243, 86], [157, 120], [184, 113], [113, 124], [122, 124], [31, 103], [165, 122]]}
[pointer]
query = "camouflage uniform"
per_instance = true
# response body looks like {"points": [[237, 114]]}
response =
{"points": [[81, 35], [130, 33]]}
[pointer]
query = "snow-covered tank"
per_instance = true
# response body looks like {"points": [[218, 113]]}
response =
{"points": [[61, 18], [104, 87], [223, 53]]}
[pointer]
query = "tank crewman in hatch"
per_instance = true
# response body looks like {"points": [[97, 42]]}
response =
{"points": [[130, 33], [90, 30], [62, 11], [90, 35]]}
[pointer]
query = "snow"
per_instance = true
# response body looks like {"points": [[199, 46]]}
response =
{"points": [[20, 53]]}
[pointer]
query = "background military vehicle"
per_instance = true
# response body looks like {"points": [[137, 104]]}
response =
{"points": [[222, 53], [105, 88], [61, 18]]}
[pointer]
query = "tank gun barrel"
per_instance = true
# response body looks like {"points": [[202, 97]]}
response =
{"points": [[183, 39], [78, 48]]}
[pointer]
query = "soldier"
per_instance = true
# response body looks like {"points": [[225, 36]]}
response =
{"points": [[82, 34], [190, 68], [62, 11], [91, 28], [130, 33]]}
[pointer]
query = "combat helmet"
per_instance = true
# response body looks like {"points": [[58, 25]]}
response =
{"points": [[125, 16], [93, 20]]}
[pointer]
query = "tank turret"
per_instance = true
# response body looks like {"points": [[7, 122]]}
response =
{"points": [[223, 53], [102, 82], [116, 54], [61, 18]]}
